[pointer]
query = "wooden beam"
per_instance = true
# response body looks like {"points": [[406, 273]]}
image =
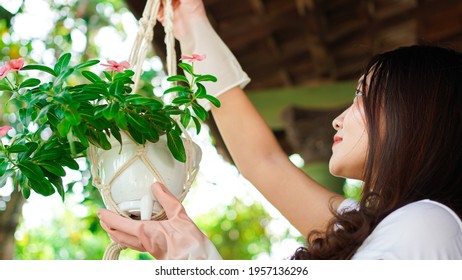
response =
{"points": [[241, 32]]}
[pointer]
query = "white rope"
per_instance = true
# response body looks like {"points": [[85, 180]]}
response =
{"points": [[143, 39], [136, 59]]}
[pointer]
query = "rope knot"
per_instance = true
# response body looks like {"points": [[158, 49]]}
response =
{"points": [[143, 23], [97, 181], [106, 188], [149, 35], [140, 150]]}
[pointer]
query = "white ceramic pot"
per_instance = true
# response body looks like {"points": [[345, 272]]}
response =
{"points": [[131, 188]]}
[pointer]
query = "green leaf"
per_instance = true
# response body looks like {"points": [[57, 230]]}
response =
{"points": [[30, 170], [18, 148], [108, 76], [63, 98], [151, 135], [69, 162], [197, 123], [43, 187], [32, 82], [40, 68], [44, 111], [185, 118], [186, 67], [63, 127], [25, 191], [175, 145], [136, 135], [3, 166], [85, 96], [177, 89], [105, 144], [73, 117], [4, 86], [62, 63], [86, 64], [111, 110], [178, 78], [115, 131], [51, 154], [24, 116], [98, 88], [5, 177], [200, 112], [181, 100], [141, 100], [213, 100], [206, 78], [92, 77], [137, 122], [52, 118], [62, 77], [94, 138], [58, 183], [173, 110], [79, 132], [31, 147], [116, 88], [121, 120], [160, 119], [53, 168], [200, 92]]}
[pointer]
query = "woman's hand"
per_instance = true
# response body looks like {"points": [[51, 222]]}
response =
{"points": [[177, 238], [197, 36], [186, 12]]}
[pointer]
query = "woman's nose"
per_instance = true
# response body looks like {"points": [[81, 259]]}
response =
{"points": [[337, 123]]}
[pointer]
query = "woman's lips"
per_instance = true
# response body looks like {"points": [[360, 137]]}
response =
{"points": [[337, 140]]}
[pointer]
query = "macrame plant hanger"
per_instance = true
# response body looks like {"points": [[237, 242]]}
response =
{"points": [[137, 56]]}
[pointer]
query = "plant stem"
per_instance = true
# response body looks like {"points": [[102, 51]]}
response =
{"points": [[13, 88]]}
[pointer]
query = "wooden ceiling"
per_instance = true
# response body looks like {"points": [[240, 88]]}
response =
{"points": [[286, 43]]}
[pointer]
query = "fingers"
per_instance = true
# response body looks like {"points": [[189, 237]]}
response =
{"points": [[160, 15], [167, 200], [123, 238], [119, 223]]}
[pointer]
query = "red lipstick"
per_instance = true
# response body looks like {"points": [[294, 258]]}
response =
{"points": [[337, 139]]}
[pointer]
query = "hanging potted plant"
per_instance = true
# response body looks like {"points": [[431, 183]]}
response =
{"points": [[59, 121]]}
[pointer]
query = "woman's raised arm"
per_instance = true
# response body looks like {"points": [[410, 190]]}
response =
{"points": [[250, 141]]}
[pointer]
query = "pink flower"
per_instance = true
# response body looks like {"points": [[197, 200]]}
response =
{"points": [[4, 130], [115, 66], [3, 72], [11, 66], [15, 64], [193, 57]]}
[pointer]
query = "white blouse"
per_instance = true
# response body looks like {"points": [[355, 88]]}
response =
{"points": [[423, 229]]}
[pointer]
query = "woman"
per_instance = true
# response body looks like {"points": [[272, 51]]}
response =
{"points": [[400, 136]]}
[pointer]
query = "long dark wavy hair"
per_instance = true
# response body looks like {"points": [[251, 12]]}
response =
{"points": [[416, 94]]}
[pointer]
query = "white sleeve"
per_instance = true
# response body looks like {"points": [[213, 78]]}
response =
{"points": [[420, 230]]}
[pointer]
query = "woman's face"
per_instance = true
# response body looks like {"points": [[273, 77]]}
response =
{"points": [[351, 141]]}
